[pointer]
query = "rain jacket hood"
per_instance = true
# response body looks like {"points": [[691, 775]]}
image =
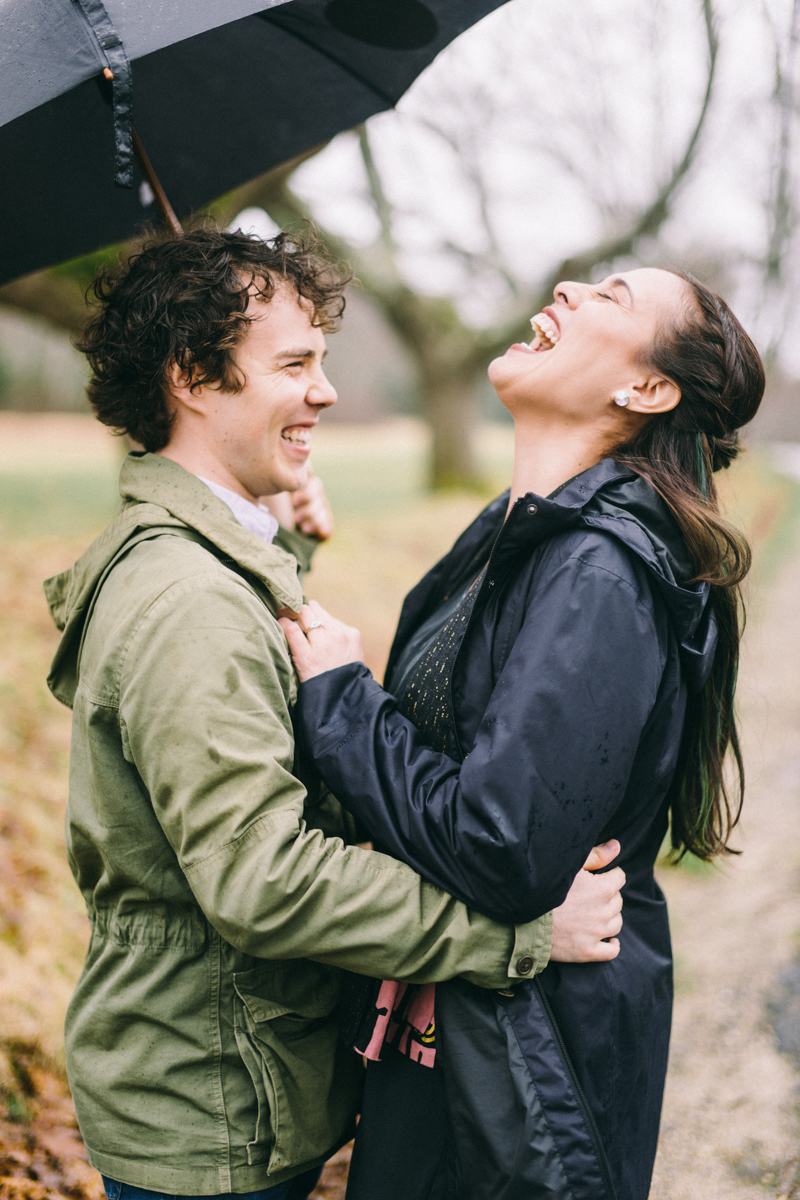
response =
{"points": [[627, 507]]}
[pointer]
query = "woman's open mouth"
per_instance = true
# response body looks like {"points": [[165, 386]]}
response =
{"points": [[546, 333]]}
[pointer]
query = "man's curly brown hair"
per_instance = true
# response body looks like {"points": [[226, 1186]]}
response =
{"points": [[183, 300]]}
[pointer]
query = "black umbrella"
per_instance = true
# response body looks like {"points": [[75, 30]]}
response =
{"points": [[221, 90]]}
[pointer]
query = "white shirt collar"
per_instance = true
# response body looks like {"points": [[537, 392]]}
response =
{"points": [[255, 517]]}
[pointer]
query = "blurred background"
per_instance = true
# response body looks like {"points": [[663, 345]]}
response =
{"points": [[551, 141]]}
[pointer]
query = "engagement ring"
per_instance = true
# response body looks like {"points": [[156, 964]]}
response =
{"points": [[315, 625]]}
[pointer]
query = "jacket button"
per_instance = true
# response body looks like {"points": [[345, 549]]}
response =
{"points": [[490, 583], [532, 509], [525, 965]]}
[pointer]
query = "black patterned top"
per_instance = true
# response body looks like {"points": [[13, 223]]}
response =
{"points": [[421, 679]]}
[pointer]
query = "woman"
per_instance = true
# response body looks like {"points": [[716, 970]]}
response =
{"points": [[563, 676]]}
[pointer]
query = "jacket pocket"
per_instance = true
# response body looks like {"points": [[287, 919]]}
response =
{"points": [[307, 1085]]}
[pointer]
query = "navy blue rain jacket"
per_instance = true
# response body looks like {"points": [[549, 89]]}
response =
{"points": [[568, 697]]}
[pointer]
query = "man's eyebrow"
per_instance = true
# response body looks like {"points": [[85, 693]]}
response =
{"points": [[303, 352], [620, 282]]}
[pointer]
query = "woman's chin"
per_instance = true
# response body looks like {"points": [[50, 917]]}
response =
{"points": [[511, 373]]}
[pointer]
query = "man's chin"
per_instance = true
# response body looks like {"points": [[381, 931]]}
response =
{"points": [[290, 481]]}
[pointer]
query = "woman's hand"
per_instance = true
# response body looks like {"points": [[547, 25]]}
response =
{"points": [[586, 925], [312, 513], [307, 509], [319, 642]]}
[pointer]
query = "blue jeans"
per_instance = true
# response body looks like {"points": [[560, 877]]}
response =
{"points": [[298, 1188]]}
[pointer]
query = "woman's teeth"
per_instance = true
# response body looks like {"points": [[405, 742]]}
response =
{"points": [[546, 331], [297, 434]]}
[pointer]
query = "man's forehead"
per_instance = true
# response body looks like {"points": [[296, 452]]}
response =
{"points": [[284, 315], [283, 294]]}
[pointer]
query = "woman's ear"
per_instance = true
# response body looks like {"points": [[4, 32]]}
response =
{"points": [[653, 395]]}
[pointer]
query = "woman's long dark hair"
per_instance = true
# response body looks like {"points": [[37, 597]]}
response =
{"points": [[708, 355]]}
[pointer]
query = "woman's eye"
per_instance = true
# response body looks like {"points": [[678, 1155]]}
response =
{"points": [[605, 295]]}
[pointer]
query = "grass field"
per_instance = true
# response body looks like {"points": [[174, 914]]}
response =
{"points": [[57, 490]]}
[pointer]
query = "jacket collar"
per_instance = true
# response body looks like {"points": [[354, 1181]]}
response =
{"points": [[150, 479], [157, 493], [534, 518]]}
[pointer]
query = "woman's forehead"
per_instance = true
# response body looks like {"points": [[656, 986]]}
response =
{"points": [[654, 285]]}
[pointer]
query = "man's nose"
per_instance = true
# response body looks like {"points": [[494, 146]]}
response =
{"points": [[322, 393]]}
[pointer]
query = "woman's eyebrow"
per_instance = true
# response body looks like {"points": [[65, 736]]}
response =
{"points": [[620, 282]]}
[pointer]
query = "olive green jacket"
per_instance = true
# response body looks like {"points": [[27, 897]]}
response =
{"points": [[223, 896]]}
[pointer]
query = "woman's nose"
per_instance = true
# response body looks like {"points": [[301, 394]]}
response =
{"points": [[570, 293]]}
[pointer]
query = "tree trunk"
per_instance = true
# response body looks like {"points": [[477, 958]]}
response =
{"points": [[449, 406]]}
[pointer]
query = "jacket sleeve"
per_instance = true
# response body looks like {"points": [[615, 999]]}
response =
{"points": [[205, 720], [508, 829]]}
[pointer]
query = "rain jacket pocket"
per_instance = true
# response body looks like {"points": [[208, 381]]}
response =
{"points": [[307, 1085]]}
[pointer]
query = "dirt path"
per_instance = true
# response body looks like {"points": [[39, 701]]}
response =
{"points": [[730, 1125]]}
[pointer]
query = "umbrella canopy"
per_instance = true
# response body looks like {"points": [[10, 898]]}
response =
{"points": [[221, 91]]}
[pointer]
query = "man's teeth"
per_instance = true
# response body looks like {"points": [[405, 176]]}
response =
{"points": [[546, 331], [302, 436]]}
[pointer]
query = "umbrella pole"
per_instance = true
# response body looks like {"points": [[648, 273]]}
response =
{"points": [[165, 208]]}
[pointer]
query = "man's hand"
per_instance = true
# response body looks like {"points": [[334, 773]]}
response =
{"points": [[586, 925], [319, 642], [307, 509]]}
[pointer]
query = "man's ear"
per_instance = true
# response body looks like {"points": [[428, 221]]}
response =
{"points": [[652, 395], [180, 392]]}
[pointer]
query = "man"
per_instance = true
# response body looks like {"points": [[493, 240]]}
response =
{"points": [[224, 894]]}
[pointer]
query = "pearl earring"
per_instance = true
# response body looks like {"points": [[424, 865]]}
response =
{"points": [[621, 398]]}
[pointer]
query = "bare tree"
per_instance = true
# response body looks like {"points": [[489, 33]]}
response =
{"points": [[450, 351]]}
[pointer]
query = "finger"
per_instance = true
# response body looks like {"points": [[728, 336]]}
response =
{"points": [[614, 926], [313, 524], [308, 613], [610, 882], [606, 951], [601, 856], [294, 635], [318, 612]]}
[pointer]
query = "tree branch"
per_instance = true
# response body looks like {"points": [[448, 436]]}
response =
{"points": [[383, 208], [646, 224]]}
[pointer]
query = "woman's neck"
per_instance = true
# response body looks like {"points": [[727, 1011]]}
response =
{"points": [[547, 454]]}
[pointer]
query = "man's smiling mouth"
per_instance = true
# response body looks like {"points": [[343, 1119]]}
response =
{"points": [[300, 435]]}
